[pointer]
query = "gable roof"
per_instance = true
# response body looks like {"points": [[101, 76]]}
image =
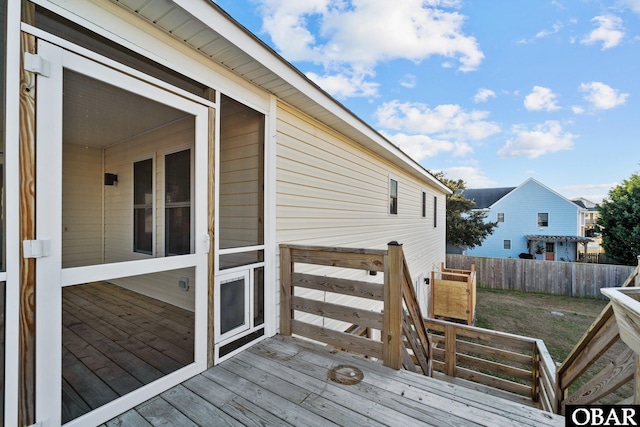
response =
{"points": [[485, 197], [585, 203], [207, 28]]}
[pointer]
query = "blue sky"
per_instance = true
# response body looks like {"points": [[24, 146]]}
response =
{"points": [[492, 92]]}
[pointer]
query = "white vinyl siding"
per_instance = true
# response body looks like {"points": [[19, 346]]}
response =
{"points": [[119, 199], [82, 186], [331, 192], [119, 159], [241, 177]]}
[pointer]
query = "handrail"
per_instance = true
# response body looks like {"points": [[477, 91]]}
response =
{"points": [[393, 320], [516, 364], [600, 336]]}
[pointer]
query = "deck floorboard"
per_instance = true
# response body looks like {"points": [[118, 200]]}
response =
{"points": [[117, 340], [283, 381]]}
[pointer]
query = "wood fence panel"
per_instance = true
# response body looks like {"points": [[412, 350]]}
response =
{"points": [[553, 277]]}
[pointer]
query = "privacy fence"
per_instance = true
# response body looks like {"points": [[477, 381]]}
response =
{"points": [[554, 277]]}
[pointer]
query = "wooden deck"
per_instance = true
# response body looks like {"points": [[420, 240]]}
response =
{"points": [[115, 341], [284, 381]]}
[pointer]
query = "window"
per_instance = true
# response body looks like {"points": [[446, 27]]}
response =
{"points": [[424, 204], [500, 217], [143, 206], [435, 211], [177, 203], [550, 247], [543, 219], [506, 244], [393, 196]]}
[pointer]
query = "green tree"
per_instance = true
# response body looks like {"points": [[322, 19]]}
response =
{"points": [[465, 228], [619, 221]]}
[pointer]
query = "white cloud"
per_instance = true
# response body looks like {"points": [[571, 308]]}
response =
{"points": [[602, 96], [554, 29], [483, 95], [344, 85], [408, 81], [595, 193], [472, 176], [424, 132], [352, 36], [609, 32], [542, 98], [420, 147], [542, 139], [448, 121], [546, 32], [577, 109], [633, 5]]}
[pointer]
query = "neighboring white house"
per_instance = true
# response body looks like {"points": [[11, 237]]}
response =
{"points": [[531, 219], [161, 147]]}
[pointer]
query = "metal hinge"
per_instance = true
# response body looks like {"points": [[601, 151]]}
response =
{"points": [[37, 64], [35, 248]]}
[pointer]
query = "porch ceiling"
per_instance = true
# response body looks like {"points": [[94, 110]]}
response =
{"points": [[91, 107], [257, 63]]}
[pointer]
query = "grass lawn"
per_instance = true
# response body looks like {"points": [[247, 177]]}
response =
{"points": [[559, 321]]}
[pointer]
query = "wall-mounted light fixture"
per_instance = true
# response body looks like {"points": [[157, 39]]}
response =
{"points": [[110, 179]]}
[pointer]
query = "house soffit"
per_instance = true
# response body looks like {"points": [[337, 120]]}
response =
{"points": [[269, 72]]}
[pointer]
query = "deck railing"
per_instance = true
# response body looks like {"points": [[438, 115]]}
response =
{"points": [[513, 363], [508, 362], [601, 336], [399, 319]]}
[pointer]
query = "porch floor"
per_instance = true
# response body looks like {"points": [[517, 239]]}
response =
{"points": [[115, 341], [284, 381]]}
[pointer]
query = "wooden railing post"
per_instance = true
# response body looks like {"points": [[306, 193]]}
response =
{"points": [[432, 286], [470, 307], [450, 357], [535, 373], [286, 270], [636, 381], [392, 321]]}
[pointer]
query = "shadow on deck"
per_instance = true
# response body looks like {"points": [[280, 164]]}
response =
{"points": [[284, 381]]}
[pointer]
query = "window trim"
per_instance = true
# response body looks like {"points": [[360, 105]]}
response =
{"points": [[435, 211], [392, 211], [540, 222], [506, 242], [151, 157], [500, 215], [192, 185]]}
